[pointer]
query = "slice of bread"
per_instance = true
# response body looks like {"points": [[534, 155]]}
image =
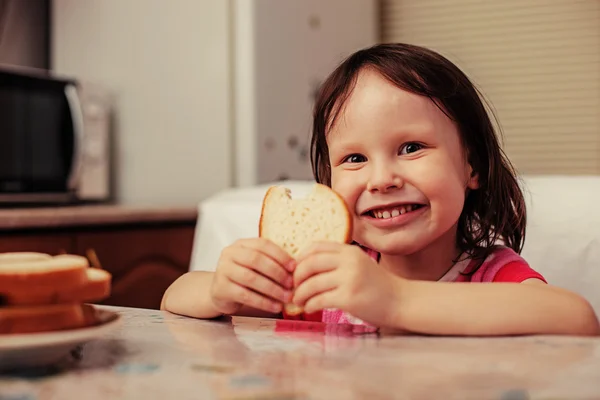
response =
{"points": [[294, 224], [35, 319], [91, 315], [25, 256], [43, 293], [59, 272], [96, 287]]}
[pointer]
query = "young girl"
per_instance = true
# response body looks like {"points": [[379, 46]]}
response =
{"points": [[439, 219]]}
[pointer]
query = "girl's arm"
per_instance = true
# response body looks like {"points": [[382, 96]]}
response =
{"points": [[452, 308], [190, 295]]}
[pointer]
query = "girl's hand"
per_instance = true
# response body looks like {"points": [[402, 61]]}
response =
{"points": [[342, 276], [252, 272]]}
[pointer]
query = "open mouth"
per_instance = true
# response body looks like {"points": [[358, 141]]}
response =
{"points": [[390, 212]]}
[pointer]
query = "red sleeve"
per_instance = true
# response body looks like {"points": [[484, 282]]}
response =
{"points": [[517, 271]]}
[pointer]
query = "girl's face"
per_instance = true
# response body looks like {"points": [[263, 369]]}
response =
{"points": [[398, 162]]}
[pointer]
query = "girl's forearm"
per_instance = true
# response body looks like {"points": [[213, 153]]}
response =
{"points": [[189, 295], [484, 309]]}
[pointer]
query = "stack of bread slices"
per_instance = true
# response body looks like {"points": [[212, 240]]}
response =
{"points": [[44, 293]]}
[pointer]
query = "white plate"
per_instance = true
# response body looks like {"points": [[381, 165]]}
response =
{"points": [[43, 349]]}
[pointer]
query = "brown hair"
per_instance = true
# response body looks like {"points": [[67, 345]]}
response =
{"points": [[492, 213]]}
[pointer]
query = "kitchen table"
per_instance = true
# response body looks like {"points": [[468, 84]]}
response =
{"points": [[157, 355]]}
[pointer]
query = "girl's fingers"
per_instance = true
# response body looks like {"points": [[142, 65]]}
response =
{"points": [[245, 296], [316, 263], [319, 247], [315, 286], [321, 301], [253, 259], [249, 278], [271, 250]]}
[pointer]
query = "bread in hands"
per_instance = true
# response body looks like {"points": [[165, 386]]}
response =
{"points": [[294, 224]]}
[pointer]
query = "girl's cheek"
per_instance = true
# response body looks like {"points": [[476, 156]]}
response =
{"points": [[346, 186], [339, 181]]}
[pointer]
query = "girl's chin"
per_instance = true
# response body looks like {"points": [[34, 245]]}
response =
{"points": [[391, 247]]}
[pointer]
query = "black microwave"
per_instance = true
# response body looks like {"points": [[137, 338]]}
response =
{"points": [[54, 139]]}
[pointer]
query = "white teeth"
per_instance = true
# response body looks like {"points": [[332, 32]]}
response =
{"points": [[393, 212]]}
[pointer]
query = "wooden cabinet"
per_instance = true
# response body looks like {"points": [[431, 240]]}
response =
{"points": [[142, 261], [55, 243], [143, 256]]}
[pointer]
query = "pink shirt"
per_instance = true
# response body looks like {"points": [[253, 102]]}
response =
{"points": [[502, 265]]}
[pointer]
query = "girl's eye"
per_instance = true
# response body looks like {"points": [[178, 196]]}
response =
{"points": [[410, 148], [355, 158]]}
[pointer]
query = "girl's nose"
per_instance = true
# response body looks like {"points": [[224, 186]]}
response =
{"points": [[384, 179]]}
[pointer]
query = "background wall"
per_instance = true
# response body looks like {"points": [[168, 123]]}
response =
{"points": [[198, 99], [208, 94], [168, 67], [283, 52], [538, 62]]}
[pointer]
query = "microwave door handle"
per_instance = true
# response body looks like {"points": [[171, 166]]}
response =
{"points": [[77, 117]]}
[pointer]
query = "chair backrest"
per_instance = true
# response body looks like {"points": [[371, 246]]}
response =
{"points": [[563, 232]]}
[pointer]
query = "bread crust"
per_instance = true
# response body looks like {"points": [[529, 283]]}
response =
{"points": [[43, 293], [318, 190], [24, 256], [48, 318], [59, 272], [349, 219], [293, 309], [96, 287], [268, 195]]}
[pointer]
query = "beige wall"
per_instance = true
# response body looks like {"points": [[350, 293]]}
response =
{"points": [[167, 62], [200, 84], [538, 62]]}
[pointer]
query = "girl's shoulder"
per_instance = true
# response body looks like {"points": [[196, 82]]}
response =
{"points": [[503, 264]]}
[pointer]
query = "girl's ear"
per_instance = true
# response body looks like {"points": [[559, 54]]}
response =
{"points": [[473, 181]]}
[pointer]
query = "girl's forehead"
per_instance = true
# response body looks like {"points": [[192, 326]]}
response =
{"points": [[375, 103]]}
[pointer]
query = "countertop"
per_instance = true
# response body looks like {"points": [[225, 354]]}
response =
{"points": [[85, 215], [158, 355]]}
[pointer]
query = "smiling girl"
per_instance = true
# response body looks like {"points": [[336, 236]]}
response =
{"points": [[402, 135]]}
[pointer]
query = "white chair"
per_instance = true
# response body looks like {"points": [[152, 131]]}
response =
{"points": [[563, 232]]}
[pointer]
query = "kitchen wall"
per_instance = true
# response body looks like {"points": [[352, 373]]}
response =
{"points": [[283, 54], [199, 84], [207, 94], [24, 32], [167, 64]]}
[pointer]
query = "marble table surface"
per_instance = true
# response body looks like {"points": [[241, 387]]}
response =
{"points": [[157, 355]]}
